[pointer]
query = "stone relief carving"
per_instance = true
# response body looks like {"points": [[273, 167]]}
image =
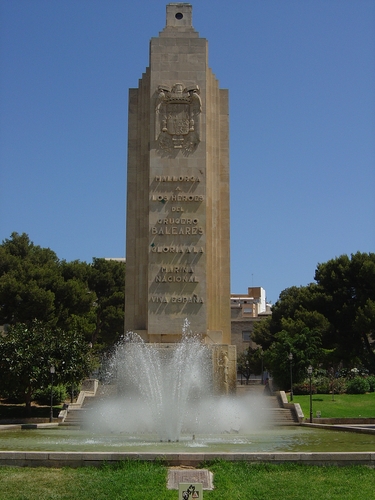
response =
{"points": [[177, 112], [223, 364]]}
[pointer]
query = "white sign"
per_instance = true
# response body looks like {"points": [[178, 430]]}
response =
{"points": [[188, 491]]}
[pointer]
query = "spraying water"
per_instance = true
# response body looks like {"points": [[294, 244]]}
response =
{"points": [[167, 391]]}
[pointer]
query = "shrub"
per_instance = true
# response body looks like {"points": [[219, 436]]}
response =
{"points": [[303, 389], [12, 396], [322, 385], [43, 396], [325, 385], [339, 385], [357, 385], [323, 389], [371, 383]]}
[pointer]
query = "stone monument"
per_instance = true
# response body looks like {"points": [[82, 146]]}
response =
{"points": [[177, 248]]}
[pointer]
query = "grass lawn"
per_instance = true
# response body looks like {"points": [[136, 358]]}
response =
{"points": [[147, 481], [341, 406]]}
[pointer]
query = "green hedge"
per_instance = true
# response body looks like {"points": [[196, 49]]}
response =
{"points": [[59, 395], [358, 385]]}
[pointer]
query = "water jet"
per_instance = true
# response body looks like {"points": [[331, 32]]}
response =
{"points": [[170, 390]]}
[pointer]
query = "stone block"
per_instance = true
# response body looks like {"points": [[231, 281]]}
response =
{"points": [[192, 459]]}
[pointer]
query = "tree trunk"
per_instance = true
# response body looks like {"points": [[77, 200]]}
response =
{"points": [[28, 402], [369, 350], [95, 334]]}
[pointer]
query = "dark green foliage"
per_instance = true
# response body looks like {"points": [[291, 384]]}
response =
{"points": [[306, 349], [250, 361], [371, 383], [43, 396], [35, 284], [348, 287], [338, 311], [107, 282], [357, 385], [27, 353], [28, 275]]}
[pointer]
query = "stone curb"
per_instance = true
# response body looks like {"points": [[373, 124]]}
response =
{"points": [[82, 459]]}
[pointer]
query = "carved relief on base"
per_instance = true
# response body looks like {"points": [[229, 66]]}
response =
{"points": [[225, 369], [177, 112]]}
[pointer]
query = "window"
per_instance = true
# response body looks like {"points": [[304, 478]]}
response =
{"points": [[246, 335]]}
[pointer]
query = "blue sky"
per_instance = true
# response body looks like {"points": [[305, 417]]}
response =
{"points": [[301, 80]]}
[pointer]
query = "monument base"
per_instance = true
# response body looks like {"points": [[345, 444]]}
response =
{"points": [[212, 337], [224, 364], [223, 357]]}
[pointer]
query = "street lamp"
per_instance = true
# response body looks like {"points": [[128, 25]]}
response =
{"points": [[332, 376], [52, 371], [261, 357], [291, 375], [309, 371]]}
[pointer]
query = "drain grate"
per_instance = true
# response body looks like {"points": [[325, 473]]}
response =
{"points": [[177, 475]]}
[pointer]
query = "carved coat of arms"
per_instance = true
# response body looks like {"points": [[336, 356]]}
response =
{"points": [[177, 117]]}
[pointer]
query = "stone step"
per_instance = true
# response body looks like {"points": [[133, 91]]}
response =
{"points": [[279, 415], [283, 416], [75, 416]]}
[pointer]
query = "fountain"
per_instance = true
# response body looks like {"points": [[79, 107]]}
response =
{"points": [[169, 391], [166, 409]]}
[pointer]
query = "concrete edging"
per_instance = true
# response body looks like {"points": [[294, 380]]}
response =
{"points": [[83, 459]]}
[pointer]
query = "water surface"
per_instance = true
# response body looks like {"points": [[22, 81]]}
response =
{"points": [[285, 439]]}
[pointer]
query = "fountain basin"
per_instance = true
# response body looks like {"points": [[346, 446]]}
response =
{"points": [[66, 446], [273, 440]]}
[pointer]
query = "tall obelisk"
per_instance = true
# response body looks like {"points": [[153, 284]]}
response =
{"points": [[177, 250]]}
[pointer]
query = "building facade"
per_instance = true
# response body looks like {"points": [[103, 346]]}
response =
{"points": [[247, 310]]}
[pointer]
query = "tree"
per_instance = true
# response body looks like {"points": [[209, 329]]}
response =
{"points": [[306, 349], [250, 361], [73, 296], [263, 333], [107, 282], [349, 293], [300, 304], [27, 351], [340, 306], [27, 277], [34, 284]]}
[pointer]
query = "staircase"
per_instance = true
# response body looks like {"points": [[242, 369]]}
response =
{"points": [[85, 401], [74, 417], [75, 413], [281, 415]]}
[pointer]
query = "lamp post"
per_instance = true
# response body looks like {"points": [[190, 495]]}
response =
{"points": [[261, 357], [291, 375], [332, 376], [309, 371], [52, 371]]}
